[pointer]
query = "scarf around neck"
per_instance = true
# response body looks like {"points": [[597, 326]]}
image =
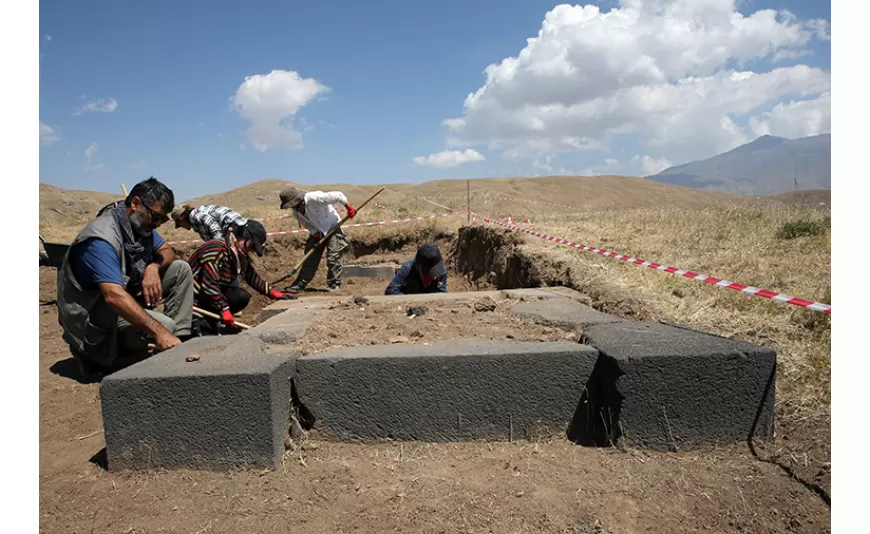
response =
{"points": [[138, 250]]}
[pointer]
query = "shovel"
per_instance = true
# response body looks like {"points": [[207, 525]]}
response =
{"points": [[325, 238]]}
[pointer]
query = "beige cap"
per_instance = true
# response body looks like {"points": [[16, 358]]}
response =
{"points": [[178, 212], [290, 197]]}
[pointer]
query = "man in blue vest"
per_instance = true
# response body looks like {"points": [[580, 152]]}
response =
{"points": [[116, 271]]}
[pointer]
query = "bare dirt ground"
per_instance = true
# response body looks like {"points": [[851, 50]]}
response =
{"points": [[380, 324], [550, 486]]}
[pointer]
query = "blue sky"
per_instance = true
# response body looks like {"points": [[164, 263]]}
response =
{"points": [[149, 86]]}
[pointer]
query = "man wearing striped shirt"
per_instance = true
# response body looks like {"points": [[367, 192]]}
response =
{"points": [[209, 221], [219, 266]]}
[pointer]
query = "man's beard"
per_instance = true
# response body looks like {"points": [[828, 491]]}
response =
{"points": [[140, 224]]}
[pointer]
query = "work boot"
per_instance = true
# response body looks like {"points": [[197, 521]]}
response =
{"points": [[335, 289], [88, 371], [294, 289], [202, 326]]}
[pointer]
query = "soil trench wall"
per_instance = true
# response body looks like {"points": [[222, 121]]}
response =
{"points": [[493, 256]]}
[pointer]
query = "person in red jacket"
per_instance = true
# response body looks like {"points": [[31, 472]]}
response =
{"points": [[219, 266]]}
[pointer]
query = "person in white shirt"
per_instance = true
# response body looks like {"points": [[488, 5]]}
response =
{"points": [[315, 212]]}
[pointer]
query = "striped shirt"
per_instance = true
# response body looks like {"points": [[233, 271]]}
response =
{"points": [[213, 267], [211, 222]]}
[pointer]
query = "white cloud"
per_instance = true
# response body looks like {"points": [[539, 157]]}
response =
{"points": [[138, 165], [47, 37], [105, 105], [270, 102], [785, 54], [652, 165], [91, 150], [545, 166], [97, 167], [676, 73], [243, 146], [821, 27], [47, 135], [795, 118], [449, 158], [305, 126]]}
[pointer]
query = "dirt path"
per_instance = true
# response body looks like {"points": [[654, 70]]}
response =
{"points": [[411, 487]]}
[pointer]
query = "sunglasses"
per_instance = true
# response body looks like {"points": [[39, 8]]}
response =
{"points": [[156, 216]]}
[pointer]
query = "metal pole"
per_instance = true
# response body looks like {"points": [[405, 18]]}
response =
{"points": [[468, 200]]}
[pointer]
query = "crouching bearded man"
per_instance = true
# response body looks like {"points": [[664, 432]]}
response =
{"points": [[115, 272]]}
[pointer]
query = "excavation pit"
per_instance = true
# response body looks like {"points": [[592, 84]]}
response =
{"points": [[383, 271]]}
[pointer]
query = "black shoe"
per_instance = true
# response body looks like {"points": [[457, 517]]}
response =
{"points": [[90, 372], [203, 326]]}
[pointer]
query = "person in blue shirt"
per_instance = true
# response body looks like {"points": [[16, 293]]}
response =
{"points": [[425, 273], [115, 273], [95, 262]]}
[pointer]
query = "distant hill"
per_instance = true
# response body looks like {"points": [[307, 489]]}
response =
{"points": [[64, 212], [581, 191], [264, 194], [65, 205], [765, 166]]}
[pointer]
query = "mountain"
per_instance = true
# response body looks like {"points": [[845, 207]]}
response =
{"points": [[765, 166]]}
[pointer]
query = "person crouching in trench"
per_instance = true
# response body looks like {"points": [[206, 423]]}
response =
{"points": [[218, 268]]}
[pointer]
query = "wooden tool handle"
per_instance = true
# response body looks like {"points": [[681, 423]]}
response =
{"points": [[218, 317]]}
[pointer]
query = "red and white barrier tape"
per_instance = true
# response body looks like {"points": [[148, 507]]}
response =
{"points": [[272, 218], [356, 225], [749, 290], [291, 214]]}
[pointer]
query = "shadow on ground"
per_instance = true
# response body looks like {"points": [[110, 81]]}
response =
{"points": [[100, 459], [70, 368]]}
